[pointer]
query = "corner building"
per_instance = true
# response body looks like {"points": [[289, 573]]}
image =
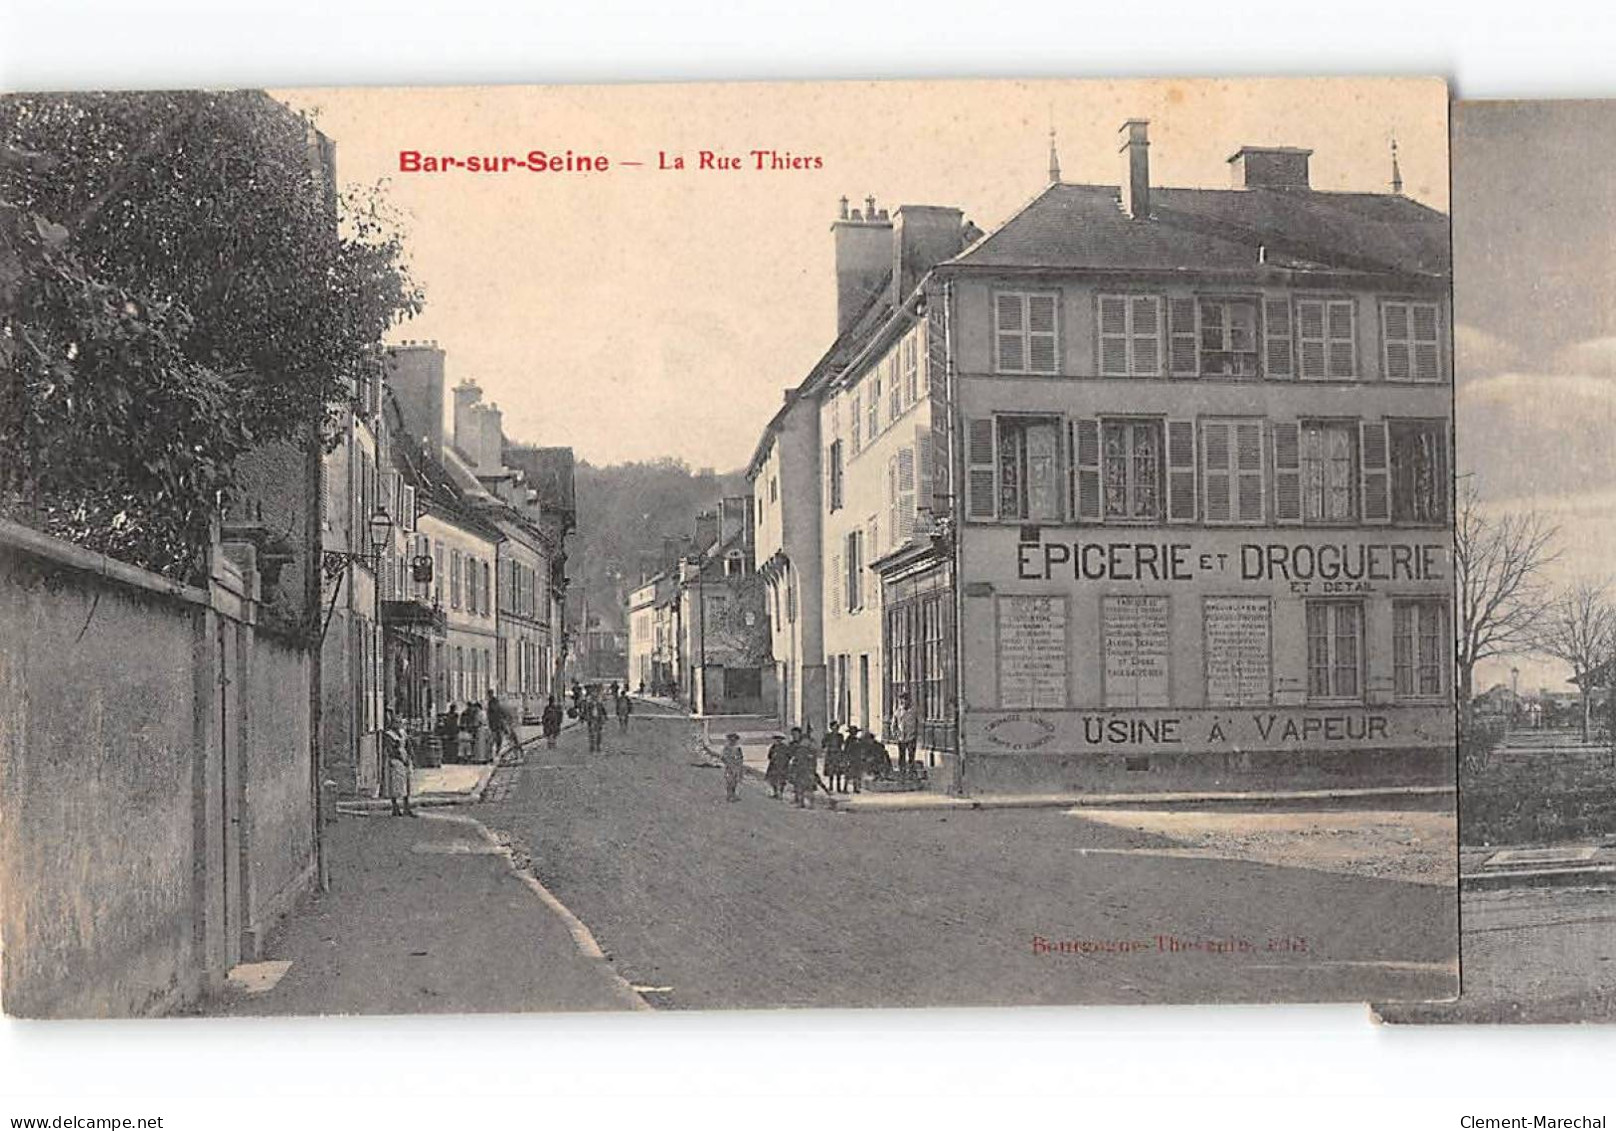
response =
{"points": [[1203, 439]]}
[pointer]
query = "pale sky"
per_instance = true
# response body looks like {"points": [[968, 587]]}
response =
{"points": [[1534, 237], [639, 313]]}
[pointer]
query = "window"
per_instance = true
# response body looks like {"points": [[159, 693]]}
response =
{"points": [[1024, 332], [1329, 472], [1334, 649], [895, 403], [853, 560], [1132, 469], [454, 579], [1228, 337], [835, 472], [1130, 335], [1326, 338], [1413, 351], [774, 489], [854, 426], [1030, 469], [911, 368], [1419, 655], [1419, 471], [1232, 471], [873, 408]]}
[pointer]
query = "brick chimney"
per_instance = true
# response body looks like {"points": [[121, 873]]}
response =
{"points": [[467, 428], [1136, 168], [923, 235], [1272, 166], [490, 441], [863, 258]]}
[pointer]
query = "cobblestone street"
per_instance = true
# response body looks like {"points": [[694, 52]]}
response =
{"points": [[759, 904]]}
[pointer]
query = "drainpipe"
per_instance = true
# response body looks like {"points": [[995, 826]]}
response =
{"points": [[956, 492]]}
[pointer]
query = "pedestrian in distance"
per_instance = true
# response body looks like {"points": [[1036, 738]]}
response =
{"points": [[501, 726], [853, 758], [550, 721], [779, 767], [594, 713], [835, 757], [396, 770], [802, 768], [625, 707], [734, 763], [471, 725], [906, 729], [449, 734]]}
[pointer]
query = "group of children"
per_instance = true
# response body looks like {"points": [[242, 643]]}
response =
{"points": [[794, 763]]}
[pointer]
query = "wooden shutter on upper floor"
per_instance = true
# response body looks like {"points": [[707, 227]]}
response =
{"points": [[1144, 334], [1278, 362], [1041, 337], [1248, 471], [1374, 463], [1183, 344], [905, 521], [980, 469], [1010, 333], [1217, 470], [1113, 336], [1310, 339], [1087, 498], [1181, 471], [1287, 445]]}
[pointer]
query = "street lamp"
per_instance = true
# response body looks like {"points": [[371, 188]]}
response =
{"points": [[378, 532]]}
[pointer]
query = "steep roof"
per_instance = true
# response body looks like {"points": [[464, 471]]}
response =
{"points": [[549, 471], [1196, 229]]}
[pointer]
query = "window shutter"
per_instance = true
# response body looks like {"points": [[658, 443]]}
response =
{"points": [[1277, 359], [409, 509], [1310, 339], [1181, 349], [925, 499], [1085, 446], [892, 502], [1427, 347], [980, 474], [1248, 464], [1395, 331], [904, 524], [1145, 334], [1287, 439], [1180, 471], [1010, 326], [1341, 323], [1217, 455], [1041, 353], [1113, 336], [836, 585], [1375, 471]]}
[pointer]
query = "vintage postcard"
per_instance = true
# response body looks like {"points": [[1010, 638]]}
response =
{"points": [[734, 546], [1535, 331]]}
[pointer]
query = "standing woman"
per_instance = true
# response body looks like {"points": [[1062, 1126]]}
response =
{"points": [[397, 769]]}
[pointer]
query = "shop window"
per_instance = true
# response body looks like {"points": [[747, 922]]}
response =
{"points": [[1419, 652], [1334, 650], [1130, 335], [1025, 336], [1419, 471]]}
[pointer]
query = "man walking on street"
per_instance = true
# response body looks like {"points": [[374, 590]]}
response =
{"points": [[906, 729], [501, 727], [625, 706], [779, 766], [550, 720], [835, 758], [803, 769], [595, 719], [734, 763]]}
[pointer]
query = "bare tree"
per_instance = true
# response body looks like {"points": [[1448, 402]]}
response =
{"points": [[1579, 627], [1499, 560]]}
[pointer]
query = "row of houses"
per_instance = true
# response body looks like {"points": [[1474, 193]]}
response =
{"points": [[1149, 484], [698, 628], [445, 552]]}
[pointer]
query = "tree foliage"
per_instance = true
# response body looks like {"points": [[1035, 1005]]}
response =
{"points": [[1578, 627], [175, 289]]}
